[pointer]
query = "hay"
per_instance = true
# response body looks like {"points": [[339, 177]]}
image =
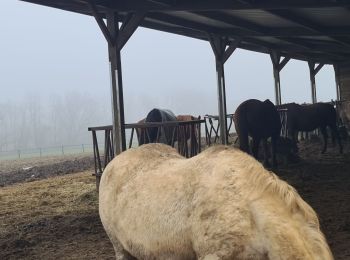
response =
{"points": [[52, 218]]}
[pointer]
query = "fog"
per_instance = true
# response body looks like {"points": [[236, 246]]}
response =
{"points": [[55, 77]]}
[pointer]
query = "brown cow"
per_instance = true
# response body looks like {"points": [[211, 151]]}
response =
{"points": [[188, 135], [260, 120], [310, 117]]}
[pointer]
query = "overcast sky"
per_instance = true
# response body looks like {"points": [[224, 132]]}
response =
{"points": [[45, 51]]}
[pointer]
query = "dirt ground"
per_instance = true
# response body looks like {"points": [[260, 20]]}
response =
{"points": [[57, 217], [32, 169]]}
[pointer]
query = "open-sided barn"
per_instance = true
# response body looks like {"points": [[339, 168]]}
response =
{"points": [[314, 31]]}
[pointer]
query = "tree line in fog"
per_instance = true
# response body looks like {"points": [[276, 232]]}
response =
{"points": [[60, 120], [63, 119]]}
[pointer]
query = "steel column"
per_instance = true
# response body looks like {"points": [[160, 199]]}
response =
{"points": [[337, 81], [277, 66], [222, 54], [275, 58], [313, 82], [119, 142], [313, 72], [276, 76], [221, 101]]}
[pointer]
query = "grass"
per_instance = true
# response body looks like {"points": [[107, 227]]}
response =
{"points": [[48, 151]]}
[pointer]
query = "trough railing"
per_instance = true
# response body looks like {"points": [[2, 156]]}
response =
{"points": [[184, 135], [211, 128], [284, 119]]}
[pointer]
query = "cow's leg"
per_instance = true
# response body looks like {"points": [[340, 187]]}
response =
{"points": [[273, 150], [266, 155], [243, 141], [294, 137], [255, 149], [325, 138], [335, 135]]}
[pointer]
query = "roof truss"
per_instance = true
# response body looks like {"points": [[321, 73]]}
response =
{"points": [[303, 38]]}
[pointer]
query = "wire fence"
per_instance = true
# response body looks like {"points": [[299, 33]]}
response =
{"points": [[46, 151]]}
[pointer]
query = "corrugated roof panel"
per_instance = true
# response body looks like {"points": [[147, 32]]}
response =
{"points": [[274, 40], [324, 39], [161, 22], [260, 17], [187, 16], [326, 17]]}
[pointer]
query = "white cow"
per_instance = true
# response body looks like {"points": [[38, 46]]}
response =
{"points": [[220, 204]]}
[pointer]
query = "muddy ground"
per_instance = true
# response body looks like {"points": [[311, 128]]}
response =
{"points": [[57, 217], [32, 169]]}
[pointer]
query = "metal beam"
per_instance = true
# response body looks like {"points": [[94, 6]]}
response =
{"points": [[290, 51], [317, 69], [283, 63], [251, 44], [285, 14], [247, 28], [134, 6], [129, 27], [231, 48], [176, 30], [322, 46], [299, 32], [228, 32], [251, 28], [100, 21], [210, 5], [179, 22]]}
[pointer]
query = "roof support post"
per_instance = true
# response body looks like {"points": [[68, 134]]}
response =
{"points": [[119, 141], [337, 81], [313, 72], [116, 38], [277, 66], [222, 54]]}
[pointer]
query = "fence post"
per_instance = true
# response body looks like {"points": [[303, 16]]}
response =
{"points": [[62, 150], [19, 154], [40, 151], [83, 147]]}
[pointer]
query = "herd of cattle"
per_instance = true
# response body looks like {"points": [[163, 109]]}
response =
{"points": [[261, 120], [258, 120]]}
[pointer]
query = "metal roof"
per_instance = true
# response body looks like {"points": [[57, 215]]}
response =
{"points": [[317, 30]]}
